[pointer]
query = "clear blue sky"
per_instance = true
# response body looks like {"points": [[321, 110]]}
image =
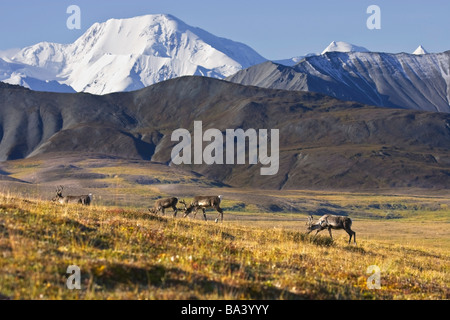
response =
{"points": [[276, 29]]}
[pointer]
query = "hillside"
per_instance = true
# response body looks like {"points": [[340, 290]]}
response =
{"points": [[324, 143], [129, 254]]}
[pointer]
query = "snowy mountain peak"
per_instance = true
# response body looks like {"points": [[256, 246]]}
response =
{"points": [[341, 46], [129, 54], [420, 50], [130, 36]]}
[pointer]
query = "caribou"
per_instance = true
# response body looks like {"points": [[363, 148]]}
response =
{"points": [[204, 202], [162, 204], [83, 200], [331, 222]]}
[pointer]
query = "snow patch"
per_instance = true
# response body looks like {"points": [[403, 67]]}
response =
{"points": [[341, 46]]}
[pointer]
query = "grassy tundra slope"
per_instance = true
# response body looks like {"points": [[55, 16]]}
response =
{"points": [[130, 254]]}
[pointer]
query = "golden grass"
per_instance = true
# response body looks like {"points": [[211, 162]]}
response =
{"points": [[130, 254]]}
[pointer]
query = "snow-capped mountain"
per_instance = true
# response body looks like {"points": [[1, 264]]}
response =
{"points": [[420, 82], [341, 46], [129, 54], [420, 50]]}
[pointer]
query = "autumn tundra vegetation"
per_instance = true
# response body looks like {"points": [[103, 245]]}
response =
{"points": [[131, 253]]}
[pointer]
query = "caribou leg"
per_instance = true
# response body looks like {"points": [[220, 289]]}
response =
{"points": [[317, 232], [187, 212], [351, 233], [195, 212], [347, 228], [331, 236], [175, 210], [219, 215]]}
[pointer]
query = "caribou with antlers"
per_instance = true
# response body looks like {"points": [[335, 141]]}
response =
{"points": [[83, 200], [162, 204], [204, 202], [331, 222]]}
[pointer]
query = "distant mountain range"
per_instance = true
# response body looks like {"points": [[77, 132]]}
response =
{"points": [[151, 75], [130, 54], [413, 81], [324, 143]]}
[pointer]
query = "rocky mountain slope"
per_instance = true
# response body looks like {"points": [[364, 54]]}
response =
{"points": [[419, 82]]}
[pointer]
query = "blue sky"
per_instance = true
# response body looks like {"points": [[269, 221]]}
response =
{"points": [[276, 29]]}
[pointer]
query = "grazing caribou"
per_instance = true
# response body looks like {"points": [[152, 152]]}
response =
{"points": [[83, 200], [204, 202], [331, 222], [162, 204]]}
